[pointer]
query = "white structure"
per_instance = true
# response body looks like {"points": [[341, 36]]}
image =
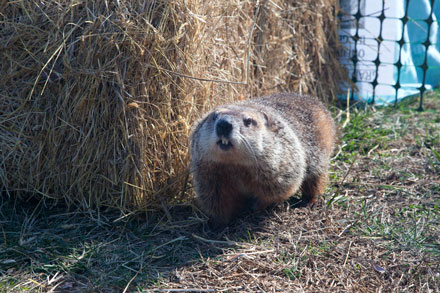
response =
{"points": [[392, 47]]}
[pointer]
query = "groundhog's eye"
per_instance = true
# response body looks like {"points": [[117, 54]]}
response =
{"points": [[214, 116], [248, 121]]}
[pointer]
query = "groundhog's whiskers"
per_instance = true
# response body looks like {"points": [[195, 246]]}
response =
{"points": [[248, 148]]}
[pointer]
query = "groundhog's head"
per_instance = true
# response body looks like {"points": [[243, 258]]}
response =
{"points": [[231, 134]]}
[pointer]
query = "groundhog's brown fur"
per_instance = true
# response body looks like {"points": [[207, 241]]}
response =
{"points": [[259, 152]]}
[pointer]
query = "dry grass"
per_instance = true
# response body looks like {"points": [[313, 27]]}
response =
{"points": [[375, 230], [97, 97]]}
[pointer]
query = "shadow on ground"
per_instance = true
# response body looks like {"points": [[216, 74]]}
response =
{"points": [[75, 251]]}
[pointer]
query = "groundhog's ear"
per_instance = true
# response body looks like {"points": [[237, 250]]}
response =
{"points": [[270, 124], [268, 121]]}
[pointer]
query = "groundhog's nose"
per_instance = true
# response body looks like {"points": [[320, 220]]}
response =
{"points": [[223, 127]]}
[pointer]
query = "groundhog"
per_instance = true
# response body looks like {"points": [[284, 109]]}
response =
{"points": [[259, 152]]}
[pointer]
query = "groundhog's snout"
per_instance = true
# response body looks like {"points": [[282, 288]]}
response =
{"points": [[223, 128]]}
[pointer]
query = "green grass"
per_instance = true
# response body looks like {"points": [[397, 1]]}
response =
{"points": [[377, 228]]}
